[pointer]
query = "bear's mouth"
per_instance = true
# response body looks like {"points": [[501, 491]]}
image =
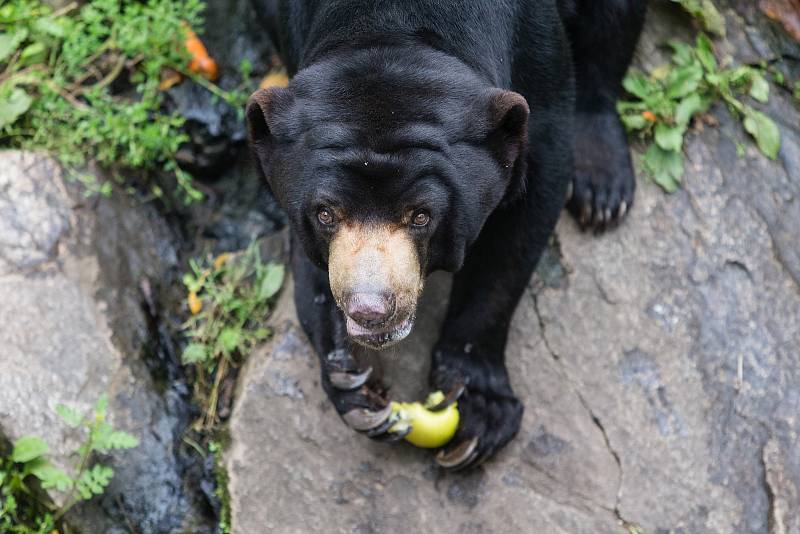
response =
{"points": [[379, 338]]}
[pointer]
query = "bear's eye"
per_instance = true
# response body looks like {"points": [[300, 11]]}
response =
{"points": [[325, 216], [420, 219]]}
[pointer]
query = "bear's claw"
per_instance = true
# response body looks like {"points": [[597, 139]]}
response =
{"points": [[349, 381], [452, 396], [364, 420], [462, 455]]}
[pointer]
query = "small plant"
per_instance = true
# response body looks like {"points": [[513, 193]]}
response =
{"points": [[707, 13], [667, 100], [21, 508], [228, 299]]}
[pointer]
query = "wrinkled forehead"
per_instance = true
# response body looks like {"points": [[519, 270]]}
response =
{"points": [[385, 97], [365, 181]]}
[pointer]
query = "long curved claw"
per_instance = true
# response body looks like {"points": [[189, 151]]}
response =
{"points": [[586, 215], [390, 437], [460, 456], [362, 419], [349, 381], [623, 209], [341, 361], [452, 396], [471, 461], [382, 428]]}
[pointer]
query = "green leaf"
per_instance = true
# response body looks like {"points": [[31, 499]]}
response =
{"points": [[192, 283], [13, 104], [633, 122], [107, 438], [50, 26], [229, 339], [682, 81], [50, 475], [122, 440], [100, 407], [682, 54], [9, 42], [707, 13], [271, 282], [73, 418], [740, 75], [94, 481], [669, 137], [194, 353], [765, 132], [11, 505], [689, 107], [759, 89], [28, 448], [705, 53], [33, 53], [637, 84], [664, 167]]}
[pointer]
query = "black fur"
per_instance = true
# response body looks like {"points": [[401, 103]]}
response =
{"points": [[391, 106]]}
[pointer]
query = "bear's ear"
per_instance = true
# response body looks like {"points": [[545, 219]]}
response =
{"points": [[508, 136], [261, 113]]}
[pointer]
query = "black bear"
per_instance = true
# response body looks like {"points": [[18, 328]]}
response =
{"points": [[419, 135]]}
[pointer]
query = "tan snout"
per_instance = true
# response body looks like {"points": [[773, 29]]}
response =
{"points": [[376, 280]]}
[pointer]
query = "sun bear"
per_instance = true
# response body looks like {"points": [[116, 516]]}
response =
{"points": [[425, 135]]}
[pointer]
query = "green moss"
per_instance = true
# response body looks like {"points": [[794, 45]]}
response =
{"points": [[218, 448], [84, 83]]}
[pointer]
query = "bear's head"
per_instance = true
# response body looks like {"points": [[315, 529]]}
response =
{"points": [[388, 162]]}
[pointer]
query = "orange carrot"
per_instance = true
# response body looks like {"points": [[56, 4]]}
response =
{"points": [[201, 62]]}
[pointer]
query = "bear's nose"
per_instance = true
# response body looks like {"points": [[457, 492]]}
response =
{"points": [[370, 310]]}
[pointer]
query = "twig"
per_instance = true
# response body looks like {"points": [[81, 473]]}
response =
{"points": [[7, 72], [71, 500], [64, 10], [196, 446], [210, 86], [121, 505], [211, 412], [66, 95], [111, 76], [135, 61], [99, 52]]}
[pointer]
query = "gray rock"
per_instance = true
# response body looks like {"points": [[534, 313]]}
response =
{"points": [[658, 365], [72, 328], [295, 467]]}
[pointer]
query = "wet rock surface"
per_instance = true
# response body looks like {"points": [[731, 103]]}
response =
{"points": [[233, 35], [72, 324], [658, 365]]}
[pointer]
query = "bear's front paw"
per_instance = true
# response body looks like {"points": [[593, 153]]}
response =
{"points": [[490, 413], [361, 407], [603, 188]]}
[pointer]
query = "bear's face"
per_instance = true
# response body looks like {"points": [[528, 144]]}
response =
{"points": [[387, 169]]}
